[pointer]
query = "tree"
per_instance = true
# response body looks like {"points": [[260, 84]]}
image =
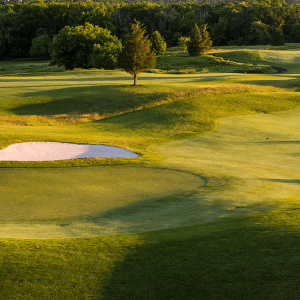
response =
{"points": [[158, 44], [137, 56], [182, 43], [78, 47], [40, 46], [200, 41]]}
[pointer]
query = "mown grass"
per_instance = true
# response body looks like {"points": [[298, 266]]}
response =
{"points": [[149, 119], [80, 192], [231, 259], [255, 257]]}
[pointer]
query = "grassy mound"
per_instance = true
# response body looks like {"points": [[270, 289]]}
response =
{"points": [[176, 62]]}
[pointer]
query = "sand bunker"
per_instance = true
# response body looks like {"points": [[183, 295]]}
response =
{"points": [[48, 151]]}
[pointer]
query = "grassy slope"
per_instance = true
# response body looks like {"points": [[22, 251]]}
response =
{"points": [[264, 55], [176, 61], [255, 257]]}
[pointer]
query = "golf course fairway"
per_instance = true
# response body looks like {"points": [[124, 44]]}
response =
{"points": [[210, 207], [247, 160]]}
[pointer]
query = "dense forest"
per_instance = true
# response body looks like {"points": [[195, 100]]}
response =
{"points": [[229, 23]]}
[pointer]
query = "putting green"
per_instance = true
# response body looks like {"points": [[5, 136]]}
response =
{"points": [[46, 194], [251, 162], [258, 155]]}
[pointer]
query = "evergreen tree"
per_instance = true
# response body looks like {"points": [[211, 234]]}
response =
{"points": [[200, 41], [137, 56], [158, 44]]}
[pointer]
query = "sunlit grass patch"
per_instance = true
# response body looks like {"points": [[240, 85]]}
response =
{"points": [[288, 60], [285, 214], [249, 56], [60, 269]]}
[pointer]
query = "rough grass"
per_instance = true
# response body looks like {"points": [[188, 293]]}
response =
{"points": [[181, 63], [267, 55], [12, 68]]}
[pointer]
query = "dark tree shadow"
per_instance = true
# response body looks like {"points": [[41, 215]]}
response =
{"points": [[244, 263], [87, 99]]}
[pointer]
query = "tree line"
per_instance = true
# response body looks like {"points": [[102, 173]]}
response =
{"points": [[27, 29]]}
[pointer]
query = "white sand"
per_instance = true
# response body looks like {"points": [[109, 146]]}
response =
{"points": [[48, 151]]}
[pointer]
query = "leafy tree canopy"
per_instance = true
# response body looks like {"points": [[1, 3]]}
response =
{"points": [[78, 47]]}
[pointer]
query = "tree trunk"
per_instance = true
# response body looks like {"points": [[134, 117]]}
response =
{"points": [[135, 79]]}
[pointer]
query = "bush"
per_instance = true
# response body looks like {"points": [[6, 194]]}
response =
{"points": [[85, 47]]}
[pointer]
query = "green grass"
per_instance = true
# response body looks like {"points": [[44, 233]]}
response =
{"points": [[265, 55], [223, 260], [70, 193], [12, 68], [176, 62], [235, 237]]}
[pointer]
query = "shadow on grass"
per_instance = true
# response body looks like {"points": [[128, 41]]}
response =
{"points": [[246, 262], [297, 181], [91, 99], [278, 142], [173, 114], [290, 82]]}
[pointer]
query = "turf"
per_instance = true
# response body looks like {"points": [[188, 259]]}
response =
{"points": [[235, 237], [223, 260], [66, 193]]}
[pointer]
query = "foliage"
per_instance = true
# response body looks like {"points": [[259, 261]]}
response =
{"points": [[229, 23], [105, 55], [81, 47], [158, 44], [40, 46], [200, 41], [137, 55], [182, 43], [277, 38]]}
